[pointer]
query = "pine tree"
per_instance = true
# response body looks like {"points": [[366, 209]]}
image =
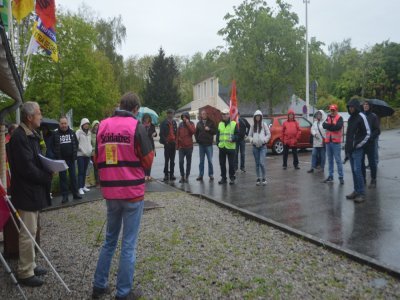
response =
{"points": [[161, 91]]}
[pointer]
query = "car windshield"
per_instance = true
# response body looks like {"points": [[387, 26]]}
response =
{"points": [[267, 121]]}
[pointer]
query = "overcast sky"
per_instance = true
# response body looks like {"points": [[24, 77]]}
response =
{"points": [[184, 27]]}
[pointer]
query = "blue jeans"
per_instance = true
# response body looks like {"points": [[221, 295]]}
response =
{"points": [[318, 154], [83, 162], [185, 152], [240, 147], [205, 150], [129, 214], [355, 163], [333, 152], [259, 156]]}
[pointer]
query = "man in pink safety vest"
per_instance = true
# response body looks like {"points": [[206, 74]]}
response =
{"points": [[124, 152]]}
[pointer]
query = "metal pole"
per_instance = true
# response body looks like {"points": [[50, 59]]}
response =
{"points": [[36, 244], [307, 65], [9, 272]]}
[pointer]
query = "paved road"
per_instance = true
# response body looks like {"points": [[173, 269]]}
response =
{"points": [[301, 201]]}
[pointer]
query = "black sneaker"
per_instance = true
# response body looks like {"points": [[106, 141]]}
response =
{"points": [[182, 180], [32, 281], [39, 271], [222, 181], [211, 178], [165, 179], [200, 178], [372, 185], [172, 178], [297, 167], [98, 292], [64, 199], [284, 167], [329, 179], [310, 171], [133, 295], [77, 197], [341, 180]]}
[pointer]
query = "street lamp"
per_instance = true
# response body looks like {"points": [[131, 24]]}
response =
{"points": [[307, 64]]}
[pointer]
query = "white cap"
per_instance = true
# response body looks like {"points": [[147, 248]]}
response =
{"points": [[225, 111]]}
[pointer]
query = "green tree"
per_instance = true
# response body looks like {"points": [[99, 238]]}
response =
{"points": [[265, 50], [83, 79], [161, 91]]}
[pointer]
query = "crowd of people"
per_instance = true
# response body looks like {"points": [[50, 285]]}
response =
{"points": [[122, 149]]}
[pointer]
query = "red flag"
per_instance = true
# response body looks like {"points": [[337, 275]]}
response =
{"points": [[233, 105], [4, 209], [46, 10]]}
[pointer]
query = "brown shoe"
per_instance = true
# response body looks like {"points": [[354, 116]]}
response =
{"points": [[351, 196]]}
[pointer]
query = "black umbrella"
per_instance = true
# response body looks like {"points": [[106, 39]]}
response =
{"points": [[380, 108]]}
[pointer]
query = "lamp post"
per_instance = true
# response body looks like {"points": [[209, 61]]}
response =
{"points": [[307, 64]]}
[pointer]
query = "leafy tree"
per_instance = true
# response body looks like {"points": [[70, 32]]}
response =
{"points": [[265, 50], [83, 79], [161, 91]]}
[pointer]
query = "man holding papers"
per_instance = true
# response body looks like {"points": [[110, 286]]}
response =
{"points": [[29, 188]]}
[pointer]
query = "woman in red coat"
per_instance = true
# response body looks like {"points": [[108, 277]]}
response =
{"points": [[290, 134]]}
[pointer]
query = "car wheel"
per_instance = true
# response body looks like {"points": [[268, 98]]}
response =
{"points": [[277, 147]]}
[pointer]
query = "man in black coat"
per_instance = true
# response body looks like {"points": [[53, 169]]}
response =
{"points": [[357, 135], [29, 188], [205, 131], [65, 146], [370, 147], [168, 131]]}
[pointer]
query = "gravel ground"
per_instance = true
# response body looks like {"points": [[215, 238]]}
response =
{"points": [[195, 249]]}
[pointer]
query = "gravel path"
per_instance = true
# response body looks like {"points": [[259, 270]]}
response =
{"points": [[194, 249]]}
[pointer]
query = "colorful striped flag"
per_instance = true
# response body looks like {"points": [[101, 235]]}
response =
{"points": [[233, 105], [21, 8], [46, 10], [45, 38]]}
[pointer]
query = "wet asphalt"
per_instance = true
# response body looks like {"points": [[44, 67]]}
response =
{"points": [[303, 202]]}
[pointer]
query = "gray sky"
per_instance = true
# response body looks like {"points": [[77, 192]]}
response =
{"points": [[184, 27]]}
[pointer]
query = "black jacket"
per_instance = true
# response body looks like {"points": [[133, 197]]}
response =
{"points": [[150, 131], [57, 143], [358, 131], [204, 137], [244, 128], [374, 125], [164, 130], [29, 181]]}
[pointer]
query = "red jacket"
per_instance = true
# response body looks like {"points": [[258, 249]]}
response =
{"points": [[184, 135], [290, 131]]}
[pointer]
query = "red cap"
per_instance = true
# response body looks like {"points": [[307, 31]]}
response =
{"points": [[333, 107]]}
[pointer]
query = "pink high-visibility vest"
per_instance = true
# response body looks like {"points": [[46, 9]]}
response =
{"points": [[120, 171]]}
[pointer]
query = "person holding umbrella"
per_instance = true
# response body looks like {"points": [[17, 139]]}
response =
{"points": [[369, 149]]}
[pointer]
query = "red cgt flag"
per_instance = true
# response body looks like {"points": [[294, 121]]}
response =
{"points": [[46, 10], [233, 105], [4, 210]]}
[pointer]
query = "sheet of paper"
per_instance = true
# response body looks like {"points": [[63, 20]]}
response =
{"points": [[53, 165]]}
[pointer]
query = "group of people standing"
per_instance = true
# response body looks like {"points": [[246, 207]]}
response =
{"points": [[363, 130], [77, 149]]}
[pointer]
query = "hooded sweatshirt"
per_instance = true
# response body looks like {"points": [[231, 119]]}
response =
{"points": [[290, 131], [84, 140], [262, 135], [185, 133], [358, 130], [318, 131]]}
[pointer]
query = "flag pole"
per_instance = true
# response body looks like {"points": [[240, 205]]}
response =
{"points": [[33, 239], [11, 27]]}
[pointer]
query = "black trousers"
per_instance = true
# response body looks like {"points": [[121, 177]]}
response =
{"points": [[286, 154], [369, 152], [188, 154], [223, 155], [169, 156], [72, 179]]}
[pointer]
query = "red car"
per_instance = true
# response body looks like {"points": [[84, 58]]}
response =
{"points": [[275, 125]]}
